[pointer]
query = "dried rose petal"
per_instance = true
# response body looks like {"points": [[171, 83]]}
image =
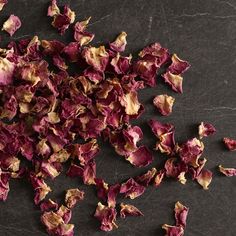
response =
{"points": [[65, 213], [52, 47], [112, 193], [125, 141], [204, 178], [121, 64], [191, 151], [159, 128], [195, 171], [230, 143], [102, 189], [132, 189], [86, 152], [57, 222], [181, 213], [4, 185], [6, 71], [40, 187], [80, 35], [89, 173], [173, 230], [12, 24], [131, 103], [147, 70], [72, 51], [53, 9], [175, 81], [158, 178], [164, 104], [176, 169], [156, 53], [120, 43], [59, 62], [61, 21], [129, 210], [73, 196], [96, 57], [227, 171], [141, 157], [9, 163], [178, 66], [146, 178], [166, 143], [51, 220], [75, 171], [205, 129], [48, 205], [10, 108], [3, 3], [107, 217], [63, 229]]}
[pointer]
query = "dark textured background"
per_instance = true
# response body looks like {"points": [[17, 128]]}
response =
{"points": [[202, 32]]}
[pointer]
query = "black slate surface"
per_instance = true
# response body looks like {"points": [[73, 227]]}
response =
{"points": [[202, 32]]}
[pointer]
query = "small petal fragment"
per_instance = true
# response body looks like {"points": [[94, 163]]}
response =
{"points": [[164, 104], [48, 205], [227, 171], [120, 43], [6, 71], [73, 196], [132, 189], [178, 66], [129, 210], [204, 178], [181, 213], [158, 178], [12, 24], [205, 129], [96, 57], [173, 230], [230, 143], [146, 178], [141, 157], [175, 81], [107, 217], [3, 3], [191, 151], [80, 35]]}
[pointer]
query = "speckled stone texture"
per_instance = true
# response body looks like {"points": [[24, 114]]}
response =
{"points": [[202, 32]]}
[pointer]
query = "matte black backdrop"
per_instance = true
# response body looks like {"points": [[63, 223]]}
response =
{"points": [[202, 32]]}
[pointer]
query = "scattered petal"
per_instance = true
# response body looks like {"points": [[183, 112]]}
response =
{"points": [[178, 66], [164, 104], [146, 178], [12, 24], [175, 81], [205, 129], [173, 230], [181, 213], [120, 43], [191, 151], [141, 157], [230, 143], [107, 217], [129, 210], [227, 171], [3, 3], [132, 189], [204, 178], [73, 196]]}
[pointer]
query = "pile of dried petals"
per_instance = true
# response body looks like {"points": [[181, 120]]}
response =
{"points": [[45, 112]]}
